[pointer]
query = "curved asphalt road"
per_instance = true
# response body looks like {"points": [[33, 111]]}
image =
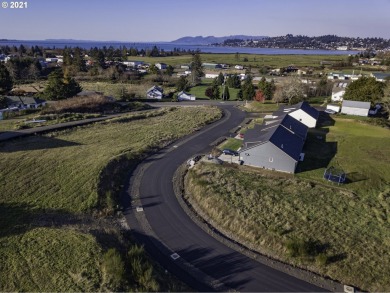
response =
{"points": [[172, 226]]}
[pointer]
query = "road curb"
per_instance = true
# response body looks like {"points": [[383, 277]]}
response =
{"points": [[206, 223]]}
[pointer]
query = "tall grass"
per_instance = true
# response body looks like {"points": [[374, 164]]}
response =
{"points": [[47, 182]]}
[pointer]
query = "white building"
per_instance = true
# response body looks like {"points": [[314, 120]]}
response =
{"points": [[338, 91], [183, 96], [355, 108], [161, 66], [155, 92]]}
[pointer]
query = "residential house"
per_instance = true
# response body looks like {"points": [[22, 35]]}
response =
{"points": [[24, 102], [133, 63], [275, 148], [381, 76], [161, 66], [183, 96], [155, 92], [211, 66], [338, 91], [211, 75], [355, 108]]}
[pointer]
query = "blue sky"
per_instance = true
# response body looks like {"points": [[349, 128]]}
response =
{"points": [[167, 20]]}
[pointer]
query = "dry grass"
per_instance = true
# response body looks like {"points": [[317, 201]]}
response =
{"points": [[269, 214], [45, 179]]}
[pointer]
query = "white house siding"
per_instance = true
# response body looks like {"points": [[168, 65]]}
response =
{"points": [[337, 97], [354, 111], [268, 156], [333, 107], [211, 75], [303, 117]]}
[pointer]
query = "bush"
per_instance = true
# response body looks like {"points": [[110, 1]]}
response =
{"points": [[322, 259], [114, 269], [301, 248]]}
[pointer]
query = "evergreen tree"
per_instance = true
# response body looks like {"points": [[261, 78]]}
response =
{"points": [[196, 69], [182, 84], [220, 79], [248, 90], [366, 89], [59, 88], [6, 82]]}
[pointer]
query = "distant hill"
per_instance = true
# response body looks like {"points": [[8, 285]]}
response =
{"points": [[200, 40]]}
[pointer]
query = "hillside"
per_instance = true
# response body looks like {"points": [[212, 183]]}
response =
{"points": [[200, 40]]}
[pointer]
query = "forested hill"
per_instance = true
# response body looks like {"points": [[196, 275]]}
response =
{"points": [[200, 40]]}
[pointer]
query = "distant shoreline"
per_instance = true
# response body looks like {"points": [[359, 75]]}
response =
{"points": [[166, 46]]}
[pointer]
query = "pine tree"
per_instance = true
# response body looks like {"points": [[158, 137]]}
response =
{"points": [[59, 88], [6, 82]]}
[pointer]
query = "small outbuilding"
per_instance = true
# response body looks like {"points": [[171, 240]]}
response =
{"points": [[355, 108]]}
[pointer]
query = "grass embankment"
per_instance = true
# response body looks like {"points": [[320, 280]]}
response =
{"points": [[339, 231], [50, 185]]}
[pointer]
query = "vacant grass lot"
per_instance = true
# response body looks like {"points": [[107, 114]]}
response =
{"points": [[346, 228], [57, 175]]}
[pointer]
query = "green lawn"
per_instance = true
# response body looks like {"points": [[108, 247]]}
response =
{"points": [[347, 226], [47, 180]]}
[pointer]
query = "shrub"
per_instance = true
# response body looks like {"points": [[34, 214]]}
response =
{"points": [[114, 269]]}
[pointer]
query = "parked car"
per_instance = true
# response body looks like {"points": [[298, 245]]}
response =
{"points": [[230, 152]]}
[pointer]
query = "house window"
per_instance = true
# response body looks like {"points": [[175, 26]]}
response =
{"points": [[271, 159]]}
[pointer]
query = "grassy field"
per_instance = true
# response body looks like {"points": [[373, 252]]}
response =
{"points": [[44, 179], [254, 60], [338, 231], [199, 90]]}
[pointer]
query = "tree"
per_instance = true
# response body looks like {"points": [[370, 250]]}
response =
{"points": [[169, 70], [267, 88], [59, 88], [234, 81], [259, 97], [196, 69], [220, 79], [213, 91], [293, 90], [182, 84], [239, 95], [248, 90], [6, 82], [366, 89], [225, 94]]}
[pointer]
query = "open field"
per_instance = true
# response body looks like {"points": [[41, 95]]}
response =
{"points": [[50, 183], [338, 231], [254, 60]]}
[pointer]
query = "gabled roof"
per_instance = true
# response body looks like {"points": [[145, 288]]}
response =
{"points": [[295, 126], [380, 75], [279, 136], [308, 109], [356, 104], [304, 106], [24, 100], [155, 88]]}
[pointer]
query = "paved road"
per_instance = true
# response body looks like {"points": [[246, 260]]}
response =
{"points": [[173, 229]]}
